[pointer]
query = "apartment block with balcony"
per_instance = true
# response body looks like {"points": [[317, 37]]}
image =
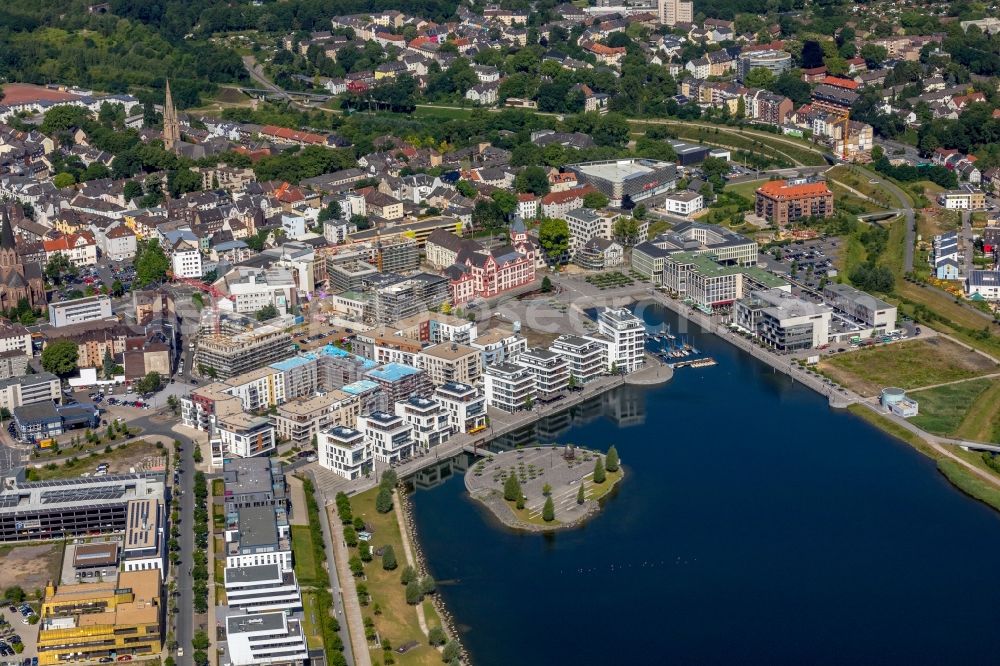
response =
{"points": [[261, 588], [389, 436], [509, 387], [465, 406], [428, 420], [549, 370], [451, 362], [586, 357], [626, 335], [299, 420], [345, 451]]}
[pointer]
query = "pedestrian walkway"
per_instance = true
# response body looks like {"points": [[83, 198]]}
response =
{"points": [[300, 515], [352, 607]]}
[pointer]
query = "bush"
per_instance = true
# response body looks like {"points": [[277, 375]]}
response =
{"points": [[408, 576], [383, 502], [350, 536], [436, 636], [357, 568], [365, 551], [389, 559], [413, 596]]}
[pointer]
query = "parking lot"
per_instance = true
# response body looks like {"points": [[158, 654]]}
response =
{"points": [[812, 259], [15, 630]]}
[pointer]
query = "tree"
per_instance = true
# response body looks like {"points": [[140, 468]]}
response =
{"points": [[150, 383], [758, 77], [64, 179], [428, 585], [512, 488], [60, 356], [546, 489], [383, 501], [14, 594], [408, 576], [466, 189], [553, 236], [332, 211], [594, 200], [599, 475], [546, 284], [451, 651], [267, 312], [132, 190], [506, 202], [180, 181], [549, 510], [413, 596], [436, 636], [117, 288], [59, 266], [532, 179], [389, 558], [611, 460], [580, 494], [639, 212], [151, 263], [108, 364], [200, 640], [626, 231]]}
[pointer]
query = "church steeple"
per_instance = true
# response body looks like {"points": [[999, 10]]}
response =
{"points": [[171, 126], [8, 246]]}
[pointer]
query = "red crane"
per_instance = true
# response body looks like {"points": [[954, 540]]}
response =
{"points": [[212, 291]]}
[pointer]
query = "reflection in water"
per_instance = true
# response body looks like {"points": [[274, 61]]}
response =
{"points": [[625, 407]]}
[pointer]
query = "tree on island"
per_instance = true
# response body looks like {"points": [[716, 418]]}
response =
{"points": [[599, 475], [611, 460], [389, 558], [512, 488], [546, 490], [383, 501], [579, 495], [549, 510]]}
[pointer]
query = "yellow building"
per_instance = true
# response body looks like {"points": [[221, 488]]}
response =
{"points": [[90, 621]]}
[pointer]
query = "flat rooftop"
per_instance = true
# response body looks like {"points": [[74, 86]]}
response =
{"points": [[261, 573], [616, 171]]}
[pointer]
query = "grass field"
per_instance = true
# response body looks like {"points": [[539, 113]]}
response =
{"points": [[311, 614], [120, 459], [746, 190], [861, 180], [943, 409], [982, 421], [398, 621], [447, 113], [306, 567], [909, 365], [851, 202]]}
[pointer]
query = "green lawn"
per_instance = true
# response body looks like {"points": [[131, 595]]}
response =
{"points": [[312, 615], [943, 409], [307, 569], [909, 365], [398, 621], [746, 190]]}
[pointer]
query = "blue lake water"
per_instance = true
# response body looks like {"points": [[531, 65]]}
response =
{"points": [[755, 525]]}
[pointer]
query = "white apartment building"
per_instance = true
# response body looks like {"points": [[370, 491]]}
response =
{"points": [[428, 421], [783, 321], [15, 337], [585, 224], [299, 420], [508, 387], [253, 289], [145, 545], [388, 435], [262, 588], [499, 346], [345, 451], [684, 203], [264, 639], [549, 370], [242, 435], [28, 390], [465, 406], [256, 537], [585, 356], [79, 310], [451, 362], [186, 260], [626, 336]]}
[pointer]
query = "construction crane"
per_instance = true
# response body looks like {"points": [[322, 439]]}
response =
{"points": [[845, 122], [212, 291]]}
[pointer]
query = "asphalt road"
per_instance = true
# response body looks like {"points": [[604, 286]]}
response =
{"points": [[336, 590], [907, 208], [185, 601]]}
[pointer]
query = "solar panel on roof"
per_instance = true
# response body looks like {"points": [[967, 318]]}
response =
{"points": [[83, 495]]}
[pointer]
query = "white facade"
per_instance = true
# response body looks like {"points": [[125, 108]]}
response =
{"points": [[626, 336], [241, 435], [585, 356], [186, 262], [509, 387], [263, 638], [79, 310], [549, 370], [465, 406], [388, 435], [262, 588], [345, 451], [684, 203], [428, 420]]}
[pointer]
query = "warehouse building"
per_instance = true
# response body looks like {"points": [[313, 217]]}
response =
{"points": [[636, 179]]}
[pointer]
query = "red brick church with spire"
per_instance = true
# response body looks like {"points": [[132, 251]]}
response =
{"points": [[18, 279]]}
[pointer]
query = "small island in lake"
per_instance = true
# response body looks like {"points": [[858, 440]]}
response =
{"points": [[543, 488]]}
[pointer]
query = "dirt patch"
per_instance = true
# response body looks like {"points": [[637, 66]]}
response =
{"points": [[31, 567], [909, 365]]}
